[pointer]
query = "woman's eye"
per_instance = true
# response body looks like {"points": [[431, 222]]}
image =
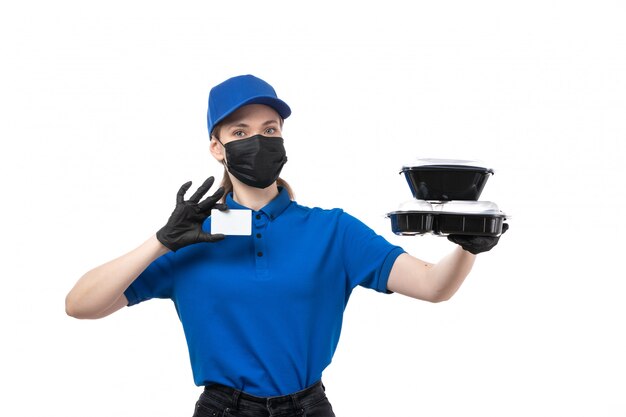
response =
{"points": [[270, 130], [239, 133]]}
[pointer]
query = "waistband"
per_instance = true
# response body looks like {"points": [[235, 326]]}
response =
{"points": [[238, 399]]}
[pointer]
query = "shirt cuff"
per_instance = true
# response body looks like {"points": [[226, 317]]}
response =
{"points": [[131, 296], [386, 269]]}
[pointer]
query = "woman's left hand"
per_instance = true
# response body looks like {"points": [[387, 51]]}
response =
{"points": [[477, 244]]}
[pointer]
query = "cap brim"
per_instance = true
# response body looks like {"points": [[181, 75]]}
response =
{"points": [[280, 106]]}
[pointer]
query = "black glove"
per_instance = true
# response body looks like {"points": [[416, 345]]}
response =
{"points": [[184, 226], [477, 244]]}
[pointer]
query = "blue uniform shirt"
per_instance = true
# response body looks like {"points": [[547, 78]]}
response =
{"points": [[263, 313]]}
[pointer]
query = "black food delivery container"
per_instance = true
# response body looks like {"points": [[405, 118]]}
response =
{"points": [[476, 218], [413, 217], [446, 179]]}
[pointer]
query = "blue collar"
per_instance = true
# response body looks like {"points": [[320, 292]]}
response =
{"points": [[272, 210]]}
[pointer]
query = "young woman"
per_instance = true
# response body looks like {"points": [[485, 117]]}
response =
{"points": [[262, 312]]}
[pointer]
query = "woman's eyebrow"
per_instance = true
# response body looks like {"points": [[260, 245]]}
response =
{"points": [[240, 124], [244, 125]]}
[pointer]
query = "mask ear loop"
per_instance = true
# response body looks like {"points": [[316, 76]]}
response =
{"points": [[223, 146]]}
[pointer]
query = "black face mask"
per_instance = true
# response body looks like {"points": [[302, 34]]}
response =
{"points": [[256, 161]]}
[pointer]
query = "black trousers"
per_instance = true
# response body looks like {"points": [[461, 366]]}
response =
{"points": [[222, 401]]}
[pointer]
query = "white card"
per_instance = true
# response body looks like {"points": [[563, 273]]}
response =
{"points": [[231, 222]]}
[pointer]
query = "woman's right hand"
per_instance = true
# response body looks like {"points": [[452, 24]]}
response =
{"points": [[184, 226]]}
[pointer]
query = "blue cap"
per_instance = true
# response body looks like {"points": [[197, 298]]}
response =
{"points": [[238, 91]]}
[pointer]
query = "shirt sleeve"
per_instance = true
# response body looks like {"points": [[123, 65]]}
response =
{"points": [[368, 257], [156, 281]]}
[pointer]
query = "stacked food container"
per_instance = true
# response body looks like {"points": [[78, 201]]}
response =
{"points": [[445, 200]]}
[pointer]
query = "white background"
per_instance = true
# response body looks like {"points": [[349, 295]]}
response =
{"points": [[102, 109]]}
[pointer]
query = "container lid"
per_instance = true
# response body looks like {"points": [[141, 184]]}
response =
{"points": [[436, 163], [414, 205], [467, 207]]}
